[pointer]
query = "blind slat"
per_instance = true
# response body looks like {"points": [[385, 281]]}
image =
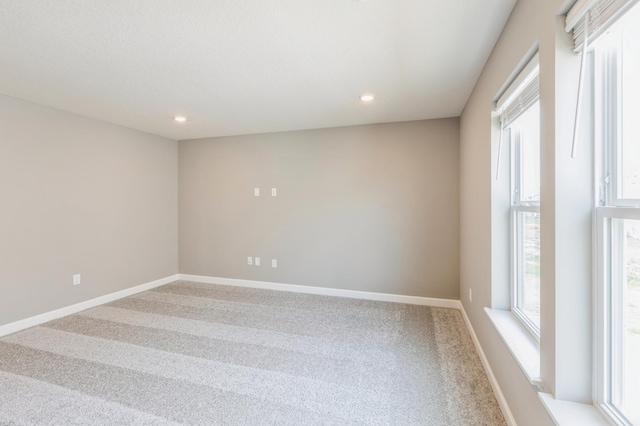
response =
{"points": [[601, 14], [523, 77], [528, 96], [520, 94]]}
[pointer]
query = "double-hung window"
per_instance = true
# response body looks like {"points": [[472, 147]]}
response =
{"points": [[520, 120], [525, 217], [616, 71]]}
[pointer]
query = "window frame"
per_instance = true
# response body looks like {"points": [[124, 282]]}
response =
{"points": [[516, 229], [608, 340], [610, 210]]}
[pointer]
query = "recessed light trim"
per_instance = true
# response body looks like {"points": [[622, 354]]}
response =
{"points": [[180, 118], [367, 98]]}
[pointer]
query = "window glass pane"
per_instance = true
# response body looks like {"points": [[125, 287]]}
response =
{"points": [[528, 288], [528, 127], [525, 177], [630, 153], [626, 320]]}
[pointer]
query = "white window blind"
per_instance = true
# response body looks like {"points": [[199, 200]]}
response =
{"points": [[517, 98], [587, 20], [599, 15], [521, 93], [520, 103]]}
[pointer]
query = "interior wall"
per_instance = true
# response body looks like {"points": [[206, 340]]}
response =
{"points": [[532, 26], [371, 208], [80, 196]]}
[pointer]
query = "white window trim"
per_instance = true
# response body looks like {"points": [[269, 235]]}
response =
{"points": [[516, 249], [572, 413], [521, 344], [517, 274], [602, 308], [608, 71], [610, 206]]}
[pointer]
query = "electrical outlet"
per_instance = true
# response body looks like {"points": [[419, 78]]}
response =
{"points": [[256, 192], [274, 263], [249, 260], [470, 295], [77, 279], [257, 262], [274, 192]]}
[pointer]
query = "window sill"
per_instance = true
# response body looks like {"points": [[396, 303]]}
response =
{"points": [[572, 413], [524, 348], [526, 351]]}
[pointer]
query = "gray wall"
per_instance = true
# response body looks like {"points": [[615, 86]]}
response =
{"points": [[372, 208], [80, 196], [565, 347]]}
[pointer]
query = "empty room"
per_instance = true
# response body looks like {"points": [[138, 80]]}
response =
{"points": [[336, 212]]}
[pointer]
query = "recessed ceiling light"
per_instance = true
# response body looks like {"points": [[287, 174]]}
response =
{"points": [[366, 98], [180, 119]]}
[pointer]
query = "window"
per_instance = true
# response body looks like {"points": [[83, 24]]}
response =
{"points": [[525, 217], [520, 119], [617, 302]]}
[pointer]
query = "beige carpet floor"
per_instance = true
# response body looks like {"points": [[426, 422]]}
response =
{"points": [[200, 354]]}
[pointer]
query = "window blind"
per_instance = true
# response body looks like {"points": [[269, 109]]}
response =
{"points": [[520, 94], [587, 20], [598, 15], [523, 92], [520, 103]]}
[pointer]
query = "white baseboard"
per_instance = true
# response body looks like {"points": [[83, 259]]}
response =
{"points": [[73, 309], [502, 402], [324, 291]]}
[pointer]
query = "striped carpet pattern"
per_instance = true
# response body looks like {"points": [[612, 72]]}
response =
{"points": [[199, 354]]}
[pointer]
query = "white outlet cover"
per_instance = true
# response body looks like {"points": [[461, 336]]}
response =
{"points": [[77, 279], [249, 260], [274, 263], [256, 192], [274, 192], [257, 262]]}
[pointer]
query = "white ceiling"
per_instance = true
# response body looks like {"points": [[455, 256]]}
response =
{"points": [[247, 66]]}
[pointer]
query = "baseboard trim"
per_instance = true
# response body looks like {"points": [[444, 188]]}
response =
{"points": [[74, 309], [325, 291], [502, 402]]}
